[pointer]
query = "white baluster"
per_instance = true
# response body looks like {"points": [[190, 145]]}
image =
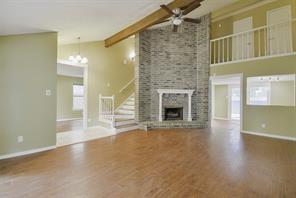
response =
{"points": [[259, 43], [223, 50], [214, 52], [228, 49], [219, 51], [265, 39]]}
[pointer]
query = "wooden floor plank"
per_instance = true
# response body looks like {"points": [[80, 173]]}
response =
{"points": [[216, 162]]}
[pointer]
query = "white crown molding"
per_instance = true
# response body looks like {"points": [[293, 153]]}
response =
{"points": [[245, 9], [270, 135], [27, 152]]}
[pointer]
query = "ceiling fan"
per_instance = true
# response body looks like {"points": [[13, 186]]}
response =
{"points": [[176, 16]]}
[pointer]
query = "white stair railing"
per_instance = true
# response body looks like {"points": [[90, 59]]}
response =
{"points": [[266, 41], [106, 109]]}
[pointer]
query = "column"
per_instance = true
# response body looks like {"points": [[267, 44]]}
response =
{"points": [[160, 107]]}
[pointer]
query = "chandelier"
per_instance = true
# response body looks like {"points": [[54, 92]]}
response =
{"points": [[78, 58]]}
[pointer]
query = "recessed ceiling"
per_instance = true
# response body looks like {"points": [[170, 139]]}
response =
{"points": [[65, 69], [93, 20]]}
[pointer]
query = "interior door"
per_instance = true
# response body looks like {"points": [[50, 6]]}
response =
{"points": [[242, 44], [279, 30]]}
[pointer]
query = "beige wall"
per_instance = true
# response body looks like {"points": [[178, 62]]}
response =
{"points": [[224, 26], [258, 14], [27, 69], [283, 92], [107, 73], [65, 97], [221, 101], [279, 120]]}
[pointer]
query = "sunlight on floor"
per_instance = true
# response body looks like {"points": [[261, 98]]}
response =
{"points": [[72, 137]]}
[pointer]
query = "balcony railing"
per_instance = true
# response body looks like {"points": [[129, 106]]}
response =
{"points": [[263, 42]]}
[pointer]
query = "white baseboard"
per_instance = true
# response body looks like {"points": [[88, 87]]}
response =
{"points": [[27, 152], [220, 118], [69, 119], [270, 135]]}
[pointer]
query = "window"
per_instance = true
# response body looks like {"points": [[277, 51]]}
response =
{"points": [[273, 90], [259, 93], [78, 97]]}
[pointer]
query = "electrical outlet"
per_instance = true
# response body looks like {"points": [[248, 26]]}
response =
{"points": [[48, 92], [263, 125], [108, 84], [89, 120], [20, 139]]}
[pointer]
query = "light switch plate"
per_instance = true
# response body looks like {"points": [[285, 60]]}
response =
{"points": [[48, 92]]}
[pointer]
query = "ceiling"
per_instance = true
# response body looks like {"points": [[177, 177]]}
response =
{"points": [[93, 20]]}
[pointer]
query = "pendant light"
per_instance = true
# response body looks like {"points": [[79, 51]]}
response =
{"points": [[78, 58]]}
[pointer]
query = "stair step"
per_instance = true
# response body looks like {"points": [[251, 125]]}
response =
{"points": [[128, 107], [124, 116], [124, 111], [122, 122], [125, 128], [130, 103]]}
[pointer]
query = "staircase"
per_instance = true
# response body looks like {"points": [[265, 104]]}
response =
{"points": [[124, 117]]}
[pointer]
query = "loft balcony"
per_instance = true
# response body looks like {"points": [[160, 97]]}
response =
{"points": [[259, 43]]}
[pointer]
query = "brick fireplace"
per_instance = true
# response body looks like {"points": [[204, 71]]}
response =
{"points": [[169, 60]]}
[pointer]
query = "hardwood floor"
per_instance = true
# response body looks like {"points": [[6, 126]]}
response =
{"points": [[69, 125], [219, 162]]}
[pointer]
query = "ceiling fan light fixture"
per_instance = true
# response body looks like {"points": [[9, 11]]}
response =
{"points": [[177, 21]]}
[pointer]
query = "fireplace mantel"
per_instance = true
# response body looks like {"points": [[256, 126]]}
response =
{"points": [[175, 91]]}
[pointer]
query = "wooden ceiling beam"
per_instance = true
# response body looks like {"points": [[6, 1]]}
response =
{"points": [[146, 22]]}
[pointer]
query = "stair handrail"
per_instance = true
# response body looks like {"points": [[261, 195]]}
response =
{"points": [[127, 85]]}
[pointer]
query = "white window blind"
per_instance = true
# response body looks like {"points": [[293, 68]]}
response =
{"points": [[78, 97]]}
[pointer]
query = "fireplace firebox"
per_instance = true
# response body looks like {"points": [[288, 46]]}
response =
{"points": [[173, 113]]}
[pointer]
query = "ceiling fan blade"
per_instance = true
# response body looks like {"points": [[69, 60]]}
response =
{"points": [[175, 28], [167, 9], [197, 21], [192, 7], [163, 21]]}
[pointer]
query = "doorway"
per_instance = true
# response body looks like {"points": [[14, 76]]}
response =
{"points": [[226, 104], [279, 30], [242, 45]]}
